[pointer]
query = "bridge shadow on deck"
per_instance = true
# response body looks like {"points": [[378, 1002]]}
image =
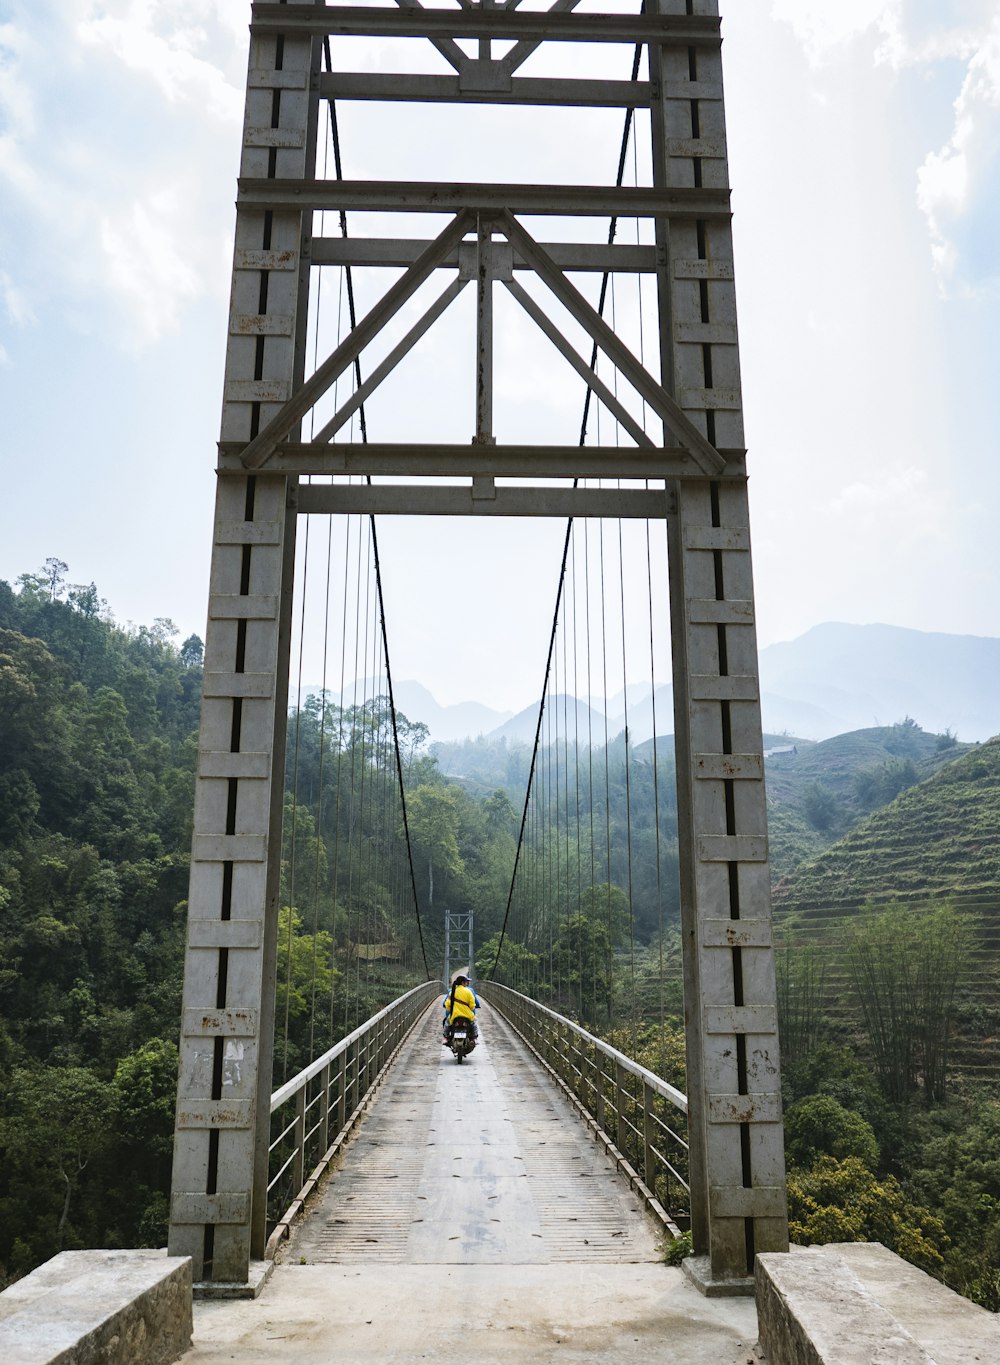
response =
{"points": [[472, 1212]]}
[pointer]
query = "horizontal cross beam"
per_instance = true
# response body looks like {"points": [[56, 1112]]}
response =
{"points": [[430, 196], [346, 21], [398, 251], [482, 500], [466, 89], [471, 461]]}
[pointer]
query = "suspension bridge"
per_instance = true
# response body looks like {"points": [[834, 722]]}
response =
{"points": [[473, 1210], [633, 885], [638, 869], [341, 1190], [307, 911]]}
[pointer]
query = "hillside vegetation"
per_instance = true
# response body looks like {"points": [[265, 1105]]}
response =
{"points": [[98, 741], [938, 838], [97, 753]]}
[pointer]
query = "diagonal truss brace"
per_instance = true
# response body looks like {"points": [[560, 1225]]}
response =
{"points": [[536, 258], [523, 49], [448, 48], [382, 371], [367, 329], [568, 351], [706, 455]]}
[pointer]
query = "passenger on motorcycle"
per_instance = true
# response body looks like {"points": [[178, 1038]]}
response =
{"points": [[461, 1002]]}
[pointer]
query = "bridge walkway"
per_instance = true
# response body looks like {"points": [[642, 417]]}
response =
{"points": [[472, 1212]]}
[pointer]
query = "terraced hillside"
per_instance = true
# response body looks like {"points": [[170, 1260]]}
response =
{"points": [[937, 841], [938, 838], [818, 792]]}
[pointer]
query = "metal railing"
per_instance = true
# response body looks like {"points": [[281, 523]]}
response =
{"points": [[327, 1098], [640, 1117]]}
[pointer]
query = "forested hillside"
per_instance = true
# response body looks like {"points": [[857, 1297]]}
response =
{"points": [[98, 736], [97, 751]]}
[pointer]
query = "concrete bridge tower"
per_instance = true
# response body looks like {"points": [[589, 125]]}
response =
{"points": [[696, 479]]}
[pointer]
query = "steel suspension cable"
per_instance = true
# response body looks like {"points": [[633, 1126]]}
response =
{"points": [[339, 172], [295, 800], [629, 114], [320, 795], [656, 792]]}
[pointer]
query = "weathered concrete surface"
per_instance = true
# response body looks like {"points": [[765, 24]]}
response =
{"points": [[497, 1315], [952, 1330], [860, 1304], [258, 1274], [112, 1307], [474, 1218], [698, 1269]]}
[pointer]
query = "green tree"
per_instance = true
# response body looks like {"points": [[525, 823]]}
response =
{"points": [[906, 964], [432, 814], [821, 1126], [56, 1121], [515, 967], [501, 816], [800, 971], [306, 977], [956, 1172], [192, 652], [820, 806], [580, 976], [843, 1201], [145, 1090]]}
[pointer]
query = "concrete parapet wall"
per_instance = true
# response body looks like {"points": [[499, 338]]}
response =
{"points": [[99, 1308], [852, 1303]]}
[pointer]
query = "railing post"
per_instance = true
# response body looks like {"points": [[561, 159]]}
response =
{"points": [[351, 1065], [324, 1117], [621, 1131], [299, 1165], [648, 1130], [342, 1094], [599, 1079], [577, 1063], [361, 1068]]}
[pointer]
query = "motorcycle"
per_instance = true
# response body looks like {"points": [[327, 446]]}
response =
{"points": [[462, 1040]]}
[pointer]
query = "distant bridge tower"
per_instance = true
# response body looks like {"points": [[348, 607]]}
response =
{"points": [[458, 947], [695, 472]]}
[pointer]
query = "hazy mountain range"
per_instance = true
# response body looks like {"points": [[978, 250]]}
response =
{"points": [[833, 679]]}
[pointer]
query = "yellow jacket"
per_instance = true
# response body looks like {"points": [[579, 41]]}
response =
{"points": [[465, 1003]]}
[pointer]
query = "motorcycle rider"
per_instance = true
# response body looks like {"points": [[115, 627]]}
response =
{"points": [[461, 1002]]}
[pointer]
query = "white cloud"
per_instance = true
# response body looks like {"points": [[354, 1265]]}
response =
{"points": [[143, 261], [955, 180], [162, 43], [823, 27], [14, 303], [117, 162], [956, 185]]}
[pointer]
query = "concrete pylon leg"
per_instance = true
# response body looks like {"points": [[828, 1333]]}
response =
{"points": [[219, 1178], [737, 1145]]}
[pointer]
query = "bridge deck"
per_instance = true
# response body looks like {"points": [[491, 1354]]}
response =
{"points": [[473, 1211]]}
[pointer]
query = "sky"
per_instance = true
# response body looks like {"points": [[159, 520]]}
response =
{"points": [[864, 143]]}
